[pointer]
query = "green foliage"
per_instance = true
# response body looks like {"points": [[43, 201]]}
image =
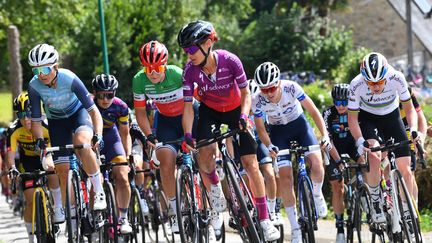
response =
{"points": [[6, 115], [319, 92], [349, 66], [292, 41]]}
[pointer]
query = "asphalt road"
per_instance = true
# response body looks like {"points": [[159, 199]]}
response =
{"points": [[12, 229]]}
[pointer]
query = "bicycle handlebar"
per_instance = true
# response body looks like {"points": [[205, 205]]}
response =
{"points": [[391, 146], [217, 138], [68, 147], [299, 149]]}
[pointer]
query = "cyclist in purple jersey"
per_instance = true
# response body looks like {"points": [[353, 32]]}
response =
{"points": [[72, 116], [116, 139], [225, 99]]}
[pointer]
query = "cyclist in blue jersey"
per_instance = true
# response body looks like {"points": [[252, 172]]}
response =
{"points": [[117, 140], [72, 116]]}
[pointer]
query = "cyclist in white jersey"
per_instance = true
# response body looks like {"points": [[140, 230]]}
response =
{"points": [[373, 105], [282, 101]]}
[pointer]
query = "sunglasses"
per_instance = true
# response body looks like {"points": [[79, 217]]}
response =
{"points": [[42, 70], [102, 96], [191, 50], [371, 83], [157, 69], [269, 90], [340, 102], [23, 114]]}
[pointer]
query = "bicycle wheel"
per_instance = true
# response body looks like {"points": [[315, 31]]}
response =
{"points": [[203, 208], [410, 227], [162, 213], [40, 219], [110, 215], [307, 210], [136, 218], [184, 205], [243, 213], [73, 197]]}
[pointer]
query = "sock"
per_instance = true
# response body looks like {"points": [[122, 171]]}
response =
{"points": [[96, 182], [173, 204], [123, 212], [292, 217], [278, 204], [57, 197], [339, 223], [317, 189], [261, 204], [213, 177], [375, 193], [29, 232], [73, 211], [271, 204]]}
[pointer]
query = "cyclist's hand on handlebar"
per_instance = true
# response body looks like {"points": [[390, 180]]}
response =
{"points": [[97, 141], [13, 171], [273, 151], [152, 140], [244, 122], [325, 143], [188, 143], [40, 145], [362, 146]]}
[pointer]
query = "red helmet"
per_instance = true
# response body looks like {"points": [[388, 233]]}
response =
{"points": [[153, 54]]}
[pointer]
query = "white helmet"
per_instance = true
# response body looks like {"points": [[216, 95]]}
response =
{"points": [[267, 74], [253, 87], [374, 67], [42, 54]]}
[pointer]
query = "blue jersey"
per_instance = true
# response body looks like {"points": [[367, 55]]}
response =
{"points": [[59, 102]]}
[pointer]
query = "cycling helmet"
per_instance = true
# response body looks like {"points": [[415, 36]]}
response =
{"points": [[267, 74], [196, 33], [340, 91], [374, 67], [253, 87], [21, 103], [153, 53], [103, 82], [42, 54]]}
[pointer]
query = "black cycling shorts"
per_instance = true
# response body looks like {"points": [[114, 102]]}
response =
{"points": [[388, 126], [343, 146], [29, 164], [209, 118]]}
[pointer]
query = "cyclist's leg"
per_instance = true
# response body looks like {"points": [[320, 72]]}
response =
{"points": [[266, 167], [337, 184], [83, 133]]}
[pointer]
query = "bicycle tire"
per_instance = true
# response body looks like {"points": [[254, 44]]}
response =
{"points": [[307, 211], [72, 190], [110, 227], [184, 205], [203, 209], [40, 223], [251, 231], [136, 218], [162, 212], [402, 194]]}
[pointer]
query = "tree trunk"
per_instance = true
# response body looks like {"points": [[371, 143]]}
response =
{"points": [[15, 69]]}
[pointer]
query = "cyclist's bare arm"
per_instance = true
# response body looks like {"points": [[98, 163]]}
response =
{"points": [[142, 120], [246, 100], [36, 129], [334, 154], [126, 138], [311, 108], [262, 132], [353, 125], [10, 159], [188, 117], [96, 120]]}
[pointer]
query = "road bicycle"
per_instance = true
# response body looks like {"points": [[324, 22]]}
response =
{"points": [[43, 226], [403, 221], [307, 211]]}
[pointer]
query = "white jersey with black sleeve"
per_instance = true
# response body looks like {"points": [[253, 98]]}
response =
{"points": [[286, 110], [395, 90]]}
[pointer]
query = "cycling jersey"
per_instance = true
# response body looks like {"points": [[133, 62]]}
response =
{"points": [[286, 110], [117, 112], [19, 135], [361, 97], [336, 124], [220, 91], [63, 101], [415, 104], [167, 94]]}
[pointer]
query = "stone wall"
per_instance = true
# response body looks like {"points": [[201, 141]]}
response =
{"points": [[377, 26]]}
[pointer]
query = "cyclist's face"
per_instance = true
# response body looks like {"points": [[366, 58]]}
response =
{"points": [[273, 96], [104, 99], [198, 56], [47, 78], [341, 109], [376, 88], [156, 77], [26, 122]]}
